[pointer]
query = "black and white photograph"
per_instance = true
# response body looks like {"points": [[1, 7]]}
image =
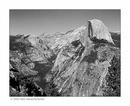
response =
{"points": [[64, 52]]}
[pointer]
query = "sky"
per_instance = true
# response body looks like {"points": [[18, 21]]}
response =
{"points": [[37, 22]]}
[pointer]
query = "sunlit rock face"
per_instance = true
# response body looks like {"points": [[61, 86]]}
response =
{"points": [[81, 62], [80, 71], [99, 30]]}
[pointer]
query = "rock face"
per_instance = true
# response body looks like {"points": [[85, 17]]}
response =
{"points": [[99, 30], [81, 62]]}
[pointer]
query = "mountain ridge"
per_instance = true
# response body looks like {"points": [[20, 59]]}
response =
{"points": [[76, 63]]}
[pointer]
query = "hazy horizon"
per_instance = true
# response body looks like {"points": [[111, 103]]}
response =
{"points": [[36, 22]]}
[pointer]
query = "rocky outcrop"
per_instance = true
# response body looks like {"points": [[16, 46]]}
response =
{"points": [[76, 63]]}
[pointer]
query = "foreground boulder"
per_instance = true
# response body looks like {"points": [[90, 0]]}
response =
{"points": [[81, 62]]}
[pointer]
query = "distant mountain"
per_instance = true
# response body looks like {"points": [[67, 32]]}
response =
{"points": [[81, 62]]}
